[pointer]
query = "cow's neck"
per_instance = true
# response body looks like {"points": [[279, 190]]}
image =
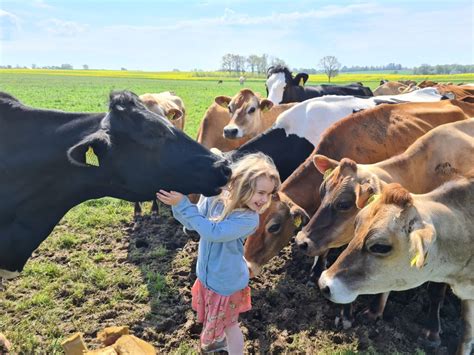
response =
{"points": [[450, 255], [408, 169]]}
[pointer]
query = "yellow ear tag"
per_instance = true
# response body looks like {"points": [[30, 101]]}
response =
{"points": [[372, 198], [170, 116], [91, 158], [327, 173], [297, 221], [415, 259], [301, 82]]}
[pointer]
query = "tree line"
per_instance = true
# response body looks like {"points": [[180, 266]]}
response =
{"points": [[255, 64]]}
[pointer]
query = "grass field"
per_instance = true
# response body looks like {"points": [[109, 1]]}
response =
{"points": [[79, 279]]}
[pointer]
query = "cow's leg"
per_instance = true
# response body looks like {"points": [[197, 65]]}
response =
{"points": [[346, 317], [137, 213], [436, 293], [154, 208], [319, 265], [466, 345], [376, 307]]}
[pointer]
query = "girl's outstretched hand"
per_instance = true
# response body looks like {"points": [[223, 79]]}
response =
{"points": [[170, 198]]}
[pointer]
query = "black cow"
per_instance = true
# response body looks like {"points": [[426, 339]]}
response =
{"points": [[44, 170], [282, 87]]}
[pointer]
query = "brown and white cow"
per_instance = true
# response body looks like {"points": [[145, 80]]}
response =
{"points": [[440, 155], [171, 106], [230, 122], [368, 136], [402, 241], [167, 104]]}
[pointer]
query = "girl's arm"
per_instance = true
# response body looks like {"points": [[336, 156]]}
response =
{"points": [[232, 227]]}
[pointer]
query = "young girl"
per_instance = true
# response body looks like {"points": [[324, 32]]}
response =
{"points": [[221, 290]]}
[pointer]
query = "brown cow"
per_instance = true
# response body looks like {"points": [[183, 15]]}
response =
{"points": [[436, 157], [246, 111], [393, 88], [402, 241], [377, 134], [227, 129], [171, 106], [167, 104], [459, 91]]}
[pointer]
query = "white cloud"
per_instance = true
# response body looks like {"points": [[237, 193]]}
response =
{"points": [[63, 28], [9, 25], [41, 4]]}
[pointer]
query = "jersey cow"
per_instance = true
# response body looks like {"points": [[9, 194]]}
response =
{"points": [[230, 122], [368, 137], [438, 156], [282, 87], [402, 241], [51, 161]]}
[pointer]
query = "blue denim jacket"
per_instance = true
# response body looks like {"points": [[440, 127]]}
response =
{"points": [[221, 266]]}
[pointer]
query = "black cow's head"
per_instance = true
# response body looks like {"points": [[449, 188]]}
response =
{"points": [[140, 152], [280, 84]]}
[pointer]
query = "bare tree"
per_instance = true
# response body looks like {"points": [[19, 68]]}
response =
{"points": [[252, 62], [330, 65]]}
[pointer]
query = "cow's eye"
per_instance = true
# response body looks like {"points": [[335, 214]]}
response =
{"points": [[343, 205], [380, 249], [252, 110], [274, 228]]}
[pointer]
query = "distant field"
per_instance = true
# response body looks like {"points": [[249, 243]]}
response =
{"points": [[87, 90]]}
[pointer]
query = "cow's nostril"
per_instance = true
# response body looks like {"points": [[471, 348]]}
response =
{"points": [[326, 291], [303, 246]]}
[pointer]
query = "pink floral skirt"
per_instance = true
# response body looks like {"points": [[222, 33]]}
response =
{"points": [[217, 312]]}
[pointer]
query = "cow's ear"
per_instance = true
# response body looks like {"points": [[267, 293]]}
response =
{"points": [[300, 79], [323, 163], [174, 114], [365, 194], [421, 241], [265, 105], [299, 216], [90, 151], [223, 101]]}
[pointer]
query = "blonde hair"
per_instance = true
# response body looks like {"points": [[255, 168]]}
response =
{"points": [[243, 183]]}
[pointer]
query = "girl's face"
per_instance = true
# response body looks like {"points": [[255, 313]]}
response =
{"points": [[263, 191]]}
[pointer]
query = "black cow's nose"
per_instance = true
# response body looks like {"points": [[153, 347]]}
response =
{"points": [[326, 291], [303, 246], [230, 132]]}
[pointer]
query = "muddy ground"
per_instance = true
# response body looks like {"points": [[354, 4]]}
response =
{"points": [[288, 316]]}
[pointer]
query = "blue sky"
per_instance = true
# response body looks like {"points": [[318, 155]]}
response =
{"points": [[162, 35]]}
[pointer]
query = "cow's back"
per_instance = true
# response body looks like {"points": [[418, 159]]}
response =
{"points": [[369, 137]]}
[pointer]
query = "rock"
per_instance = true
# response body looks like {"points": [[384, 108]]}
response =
{"points": [[109, 350], [74, 345], [109, 335], [131, 345], [5, 345]]}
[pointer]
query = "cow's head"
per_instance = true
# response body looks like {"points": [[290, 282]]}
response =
{"points": [[245, 110], [277, 224], [390, 250], [168, 109], [332, 225], [137, 152], [280, 84]]}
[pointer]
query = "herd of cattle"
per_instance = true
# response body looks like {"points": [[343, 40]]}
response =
{"points": [[391, 175]]}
